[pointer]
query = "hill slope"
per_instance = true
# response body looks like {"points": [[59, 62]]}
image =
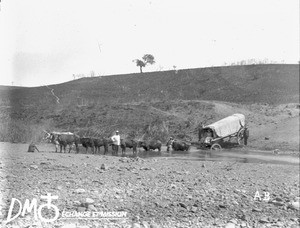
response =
{"points": [[159, 104], [271, 84]]}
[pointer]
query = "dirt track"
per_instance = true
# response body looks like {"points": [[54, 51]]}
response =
{"points": [[161, 192]]}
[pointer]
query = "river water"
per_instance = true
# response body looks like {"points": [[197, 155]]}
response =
{"points": [[243, 155], [234, 155]]}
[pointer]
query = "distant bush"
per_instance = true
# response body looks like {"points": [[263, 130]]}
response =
{"points": [[254, 62]]}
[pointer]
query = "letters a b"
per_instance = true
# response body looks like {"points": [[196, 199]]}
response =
{"points": [[258, 196]]}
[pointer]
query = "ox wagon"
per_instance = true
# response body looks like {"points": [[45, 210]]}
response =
{"points": [[212, 136]]}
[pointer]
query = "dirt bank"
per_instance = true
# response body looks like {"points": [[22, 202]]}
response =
{"points": [[282, 135], [155, 192]]}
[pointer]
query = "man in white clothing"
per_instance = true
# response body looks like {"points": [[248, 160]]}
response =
{"points": [[116, 142]]}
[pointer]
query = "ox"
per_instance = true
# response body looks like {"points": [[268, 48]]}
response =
{"points": [[67, 139], [63, 139], [87, 142], [130, 143], [105, 142], [49, 138], [95, 144], [150, 145], [177, 145]]}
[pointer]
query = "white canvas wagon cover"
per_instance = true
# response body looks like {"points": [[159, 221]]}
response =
{"points": [[228, 126]]}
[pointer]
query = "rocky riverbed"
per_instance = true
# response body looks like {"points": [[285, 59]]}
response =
{"points": [[154, 192]]}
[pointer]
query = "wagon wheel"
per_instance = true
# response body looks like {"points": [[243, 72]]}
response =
{"points": [[216, 146], [240, 137]]}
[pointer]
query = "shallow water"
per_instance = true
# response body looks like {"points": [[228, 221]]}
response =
{"points": [[226, 155], [242, 155]]}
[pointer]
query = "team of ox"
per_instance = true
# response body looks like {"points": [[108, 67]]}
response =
{"points": [[210, 136], [63, 139]]}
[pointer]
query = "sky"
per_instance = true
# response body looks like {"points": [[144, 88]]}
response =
{"points": [[45, 42]]}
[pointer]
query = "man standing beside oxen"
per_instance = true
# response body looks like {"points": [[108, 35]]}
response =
{"points": [[116, 140]]}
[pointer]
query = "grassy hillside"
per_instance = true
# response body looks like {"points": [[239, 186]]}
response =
{"points": [[246, 84], [157, 103]]}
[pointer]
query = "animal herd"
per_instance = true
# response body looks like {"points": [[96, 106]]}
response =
{"points": [[63, 139]]}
